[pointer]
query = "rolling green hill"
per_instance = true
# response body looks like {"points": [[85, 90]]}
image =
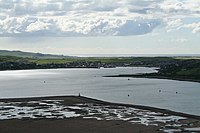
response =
{"points": [[30, 55]]}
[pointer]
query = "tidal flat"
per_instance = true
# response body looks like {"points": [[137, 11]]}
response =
{"points": [[82, 114]]}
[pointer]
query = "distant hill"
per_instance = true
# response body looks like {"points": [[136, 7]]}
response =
{"points": [[30, 54]]}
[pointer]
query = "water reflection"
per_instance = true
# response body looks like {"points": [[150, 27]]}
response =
{"points": [[89, 82]]}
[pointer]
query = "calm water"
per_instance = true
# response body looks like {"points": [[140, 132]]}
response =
{"points": [[89, 82]]}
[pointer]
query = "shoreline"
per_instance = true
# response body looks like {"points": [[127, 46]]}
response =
{"points": [[121, 75], [88, 115], [154, 77], [88, 99], [49, 68]]}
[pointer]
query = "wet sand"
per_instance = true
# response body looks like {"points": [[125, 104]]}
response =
{"points": [[76, 114], [72, 125]]}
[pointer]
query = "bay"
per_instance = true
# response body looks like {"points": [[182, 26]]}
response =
{"points": [[179, 96]]}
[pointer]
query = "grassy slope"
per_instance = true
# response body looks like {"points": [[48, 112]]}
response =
{"points": [[182, 69], [39, 58], [29, 54], [83, 59], [12, 59], [102, 59], [189, 72]]}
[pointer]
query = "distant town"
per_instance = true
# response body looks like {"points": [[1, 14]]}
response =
{"points": [[179, 68]]}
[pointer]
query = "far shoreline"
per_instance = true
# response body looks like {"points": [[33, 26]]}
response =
{"points": [[121, 75], [155, 77]]}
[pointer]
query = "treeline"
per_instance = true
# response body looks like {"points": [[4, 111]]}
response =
{"points": [[32, 65], [183, 69], [188, 70]]}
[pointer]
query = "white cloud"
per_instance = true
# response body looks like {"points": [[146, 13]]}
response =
{"points": [[186, 7], [94, 17], [172, 5], [194, 26], [193, 5], [37, 26], [173, 24]]}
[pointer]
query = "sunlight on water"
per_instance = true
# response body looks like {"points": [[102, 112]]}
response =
{"points": [[91, 83], [24, 73]]}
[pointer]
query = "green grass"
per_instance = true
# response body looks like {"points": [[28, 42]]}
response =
{"points": [[30, 54], [49, 61], [12, 59], [188, 58], [193, 71], [85, 59], [126, 59]]}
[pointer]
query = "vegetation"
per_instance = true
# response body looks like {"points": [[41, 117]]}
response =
{"points": [[188, 70], [106, 60], [29, 54], [174, 68]]}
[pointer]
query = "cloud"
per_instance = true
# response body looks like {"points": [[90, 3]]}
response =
{"points": [[194, 26], [183, 7], [173, 24], [94, 17], [175, 12]]}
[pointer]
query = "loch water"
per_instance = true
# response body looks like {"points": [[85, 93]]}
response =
{"points": [[179, 96]]}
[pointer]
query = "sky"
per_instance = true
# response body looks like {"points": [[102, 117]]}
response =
{"points": [[76, 27]]}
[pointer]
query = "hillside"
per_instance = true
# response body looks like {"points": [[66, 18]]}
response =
{"points": [[30, 54], [185, 70]]}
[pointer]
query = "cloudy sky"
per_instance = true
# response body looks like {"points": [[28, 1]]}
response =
{"points": [[101, 26]]}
